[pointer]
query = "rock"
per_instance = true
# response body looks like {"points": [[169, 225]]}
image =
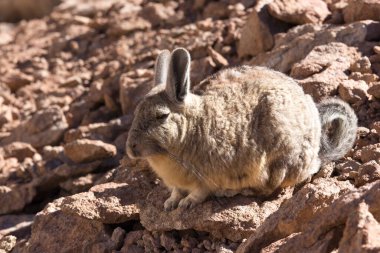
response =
{"points": [[16, 197], [297, 43], [353, 91], [324, 230], [367, 173], [131, 92], [233, 218], [370, 152], [55, 231], [376, 49], [363, 65], [323, 69], [258, 31], [374, 90], [108, 203], [72, 82], [368, 78], [17, 225], [201, 69], [45, 127], [217, 58], [104, 131], [361, 10], [298, 11], [216, 10], [295, 214], [125, 27], [346, 168], [7, 243], [118, 236], [80, 184], [6, 33], [85, 150], [16, 80], [19, 150], [362, 231], [158, 13], [376, 126], [131, 238], [16, 10]]}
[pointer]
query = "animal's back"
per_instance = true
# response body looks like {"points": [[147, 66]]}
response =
{"points": [[257, 118]]}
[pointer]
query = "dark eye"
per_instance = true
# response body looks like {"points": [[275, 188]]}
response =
{"points": [[162, 116]]}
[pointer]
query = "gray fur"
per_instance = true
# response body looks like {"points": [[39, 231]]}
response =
{"points": [[252, 128], [162, 67], [339, 124]]}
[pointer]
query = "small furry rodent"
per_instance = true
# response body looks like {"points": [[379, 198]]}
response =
{"points": [[252, 128]]}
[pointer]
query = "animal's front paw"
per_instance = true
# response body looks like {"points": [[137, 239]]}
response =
{"points": [[171, 204], [188, 202]]}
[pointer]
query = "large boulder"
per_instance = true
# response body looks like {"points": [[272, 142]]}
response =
{"points": [[299, 11], [298, 42], [330, 228], [233, 218]]}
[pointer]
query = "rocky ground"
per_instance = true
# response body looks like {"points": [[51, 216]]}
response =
{"points": [[69, 83]]}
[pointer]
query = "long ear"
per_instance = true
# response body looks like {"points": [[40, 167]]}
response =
{"points": [[161, 68], [178, 85]]}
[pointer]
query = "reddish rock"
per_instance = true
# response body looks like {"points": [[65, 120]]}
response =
{"points": [[258, 31], [218, 58], [232, 218], [353, 91], [361, 232], [45, 127], [16, 197], [361, 10], [158, 13], [324, 231], [107, 203], [19, 150], [374, 90], [295, 214], [297, 43], [299, 11], [85, 150], [16, 80], [363, 65], [55, 231], [80, 184], [370, 152], [323, 69], [367, 173]]}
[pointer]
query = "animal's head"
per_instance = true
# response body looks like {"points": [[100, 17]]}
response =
{"points": [[160, 119]]}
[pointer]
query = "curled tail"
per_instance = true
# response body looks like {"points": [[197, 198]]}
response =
{"points": [[339, 124]]}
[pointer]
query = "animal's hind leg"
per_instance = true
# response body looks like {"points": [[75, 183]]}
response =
{"points": [[277, 170]]}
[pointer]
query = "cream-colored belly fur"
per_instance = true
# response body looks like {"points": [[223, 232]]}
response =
{"points": [[171, 172], [174, 175]]}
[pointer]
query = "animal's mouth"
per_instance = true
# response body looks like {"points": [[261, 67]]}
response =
{"points": [[134, 152]]}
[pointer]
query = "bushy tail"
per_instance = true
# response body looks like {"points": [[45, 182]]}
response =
{"points": [[339, 124]]}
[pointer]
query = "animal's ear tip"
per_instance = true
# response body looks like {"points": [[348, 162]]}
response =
{"points": [[164, 52], [181, 51]]}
